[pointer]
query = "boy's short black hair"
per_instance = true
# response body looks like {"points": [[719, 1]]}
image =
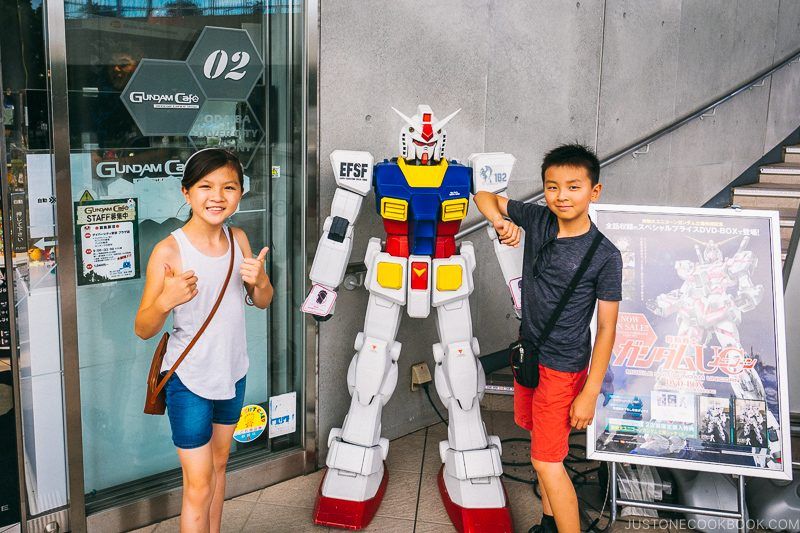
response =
{"points": [[573, 155]]}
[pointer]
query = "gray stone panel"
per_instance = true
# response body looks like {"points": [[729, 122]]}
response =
{"points": [[640, 62], [744, 124], [706, 45], [542, 80], [694, 186], [639, 180], [754, 38], [370, 63], [788, 36], [697, 143], [784, 105], [734, 132]]}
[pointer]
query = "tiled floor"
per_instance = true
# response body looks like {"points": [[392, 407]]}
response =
{"points": [[411, 504]]}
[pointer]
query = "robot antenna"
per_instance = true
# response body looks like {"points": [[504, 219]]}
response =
{"points": [[442, 123], [406, 119]]}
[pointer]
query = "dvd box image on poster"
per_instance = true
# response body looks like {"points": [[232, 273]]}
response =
{"points": [[697, 376], [715, 416]]}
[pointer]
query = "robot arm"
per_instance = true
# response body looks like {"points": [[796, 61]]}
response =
{"points": [[491, 173], [353, 172]]}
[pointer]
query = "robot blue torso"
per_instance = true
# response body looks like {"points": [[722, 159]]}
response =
{"points": [[422, 205]]}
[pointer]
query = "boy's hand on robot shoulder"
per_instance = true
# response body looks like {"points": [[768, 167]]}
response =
{"points": [[507, 232], [178, 288], [252, 270]]}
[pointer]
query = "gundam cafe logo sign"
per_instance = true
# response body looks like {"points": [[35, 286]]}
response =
{"points": [[166, 101], [165, 97], [697, 377], [113, 169]]}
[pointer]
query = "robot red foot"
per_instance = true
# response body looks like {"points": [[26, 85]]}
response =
{"points": [[347, 514]]}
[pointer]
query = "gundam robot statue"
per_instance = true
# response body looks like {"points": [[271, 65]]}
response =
{"points": [[422, 198], [704, 307]]}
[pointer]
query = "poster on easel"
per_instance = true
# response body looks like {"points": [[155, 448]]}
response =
{"points": [[697, 378]]}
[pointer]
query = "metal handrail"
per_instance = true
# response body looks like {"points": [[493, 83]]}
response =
{"points": [[660, 133]]}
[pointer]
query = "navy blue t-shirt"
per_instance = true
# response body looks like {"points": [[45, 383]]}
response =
{"points": [[548, 266]]}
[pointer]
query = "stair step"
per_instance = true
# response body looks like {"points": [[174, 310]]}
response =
{"points": [[768, 196], [786, 214], [780, 168], [780, 173], [786, 220], [791, 154]]}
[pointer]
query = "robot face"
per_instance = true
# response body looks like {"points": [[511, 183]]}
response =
{"points": [[423, 137], [712, 253]]}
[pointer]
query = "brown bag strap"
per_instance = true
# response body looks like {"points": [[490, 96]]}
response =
{"points": [[163, 382]]}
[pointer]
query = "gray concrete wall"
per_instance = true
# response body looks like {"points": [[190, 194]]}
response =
{"points": [[530, 75]]}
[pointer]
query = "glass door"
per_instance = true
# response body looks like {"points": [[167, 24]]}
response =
{"points": [[31, 366], [150, 82]]}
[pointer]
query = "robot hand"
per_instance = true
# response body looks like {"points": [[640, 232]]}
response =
{"points": [[320, 302], [665, 304], [749, 297]]}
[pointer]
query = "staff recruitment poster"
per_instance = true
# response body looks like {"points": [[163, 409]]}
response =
{"points": [[697, 378]]}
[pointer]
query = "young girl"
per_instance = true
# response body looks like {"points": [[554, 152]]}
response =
{"points": [[184, 276]]}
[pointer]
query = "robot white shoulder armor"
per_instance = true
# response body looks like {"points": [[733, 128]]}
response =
{"points": [[491, 171], [353, 170]]}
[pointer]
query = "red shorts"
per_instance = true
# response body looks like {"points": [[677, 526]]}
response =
{"points": [[544, 411]]}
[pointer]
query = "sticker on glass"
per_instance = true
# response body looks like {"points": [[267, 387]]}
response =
{"points": [[252, 423], [283, 414]]}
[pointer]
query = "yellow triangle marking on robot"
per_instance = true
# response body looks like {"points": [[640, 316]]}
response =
{"points": [[419, 271], [423, 175]]}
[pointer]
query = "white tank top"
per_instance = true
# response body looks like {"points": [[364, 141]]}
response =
{"points": [[219, 358]]}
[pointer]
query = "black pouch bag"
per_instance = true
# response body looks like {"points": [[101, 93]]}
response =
{"points": [[524, 353], [524, 363]]}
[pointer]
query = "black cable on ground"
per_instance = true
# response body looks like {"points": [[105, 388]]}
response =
{"points": [[426, 388]]}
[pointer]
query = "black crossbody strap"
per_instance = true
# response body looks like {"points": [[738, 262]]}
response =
{"points": [[570, 289]]}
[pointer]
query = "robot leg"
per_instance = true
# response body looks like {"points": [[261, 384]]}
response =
{"points": [[355, 482], [469, 480]]}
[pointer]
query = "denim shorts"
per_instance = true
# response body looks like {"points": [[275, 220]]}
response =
{"points": [[191, 416]]}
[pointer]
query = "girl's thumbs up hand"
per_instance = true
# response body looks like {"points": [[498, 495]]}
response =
{"points": [[252, 270], [178, 288]]}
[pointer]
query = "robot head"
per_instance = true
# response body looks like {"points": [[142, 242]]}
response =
{"points": [[422, 138], [712, 253]]}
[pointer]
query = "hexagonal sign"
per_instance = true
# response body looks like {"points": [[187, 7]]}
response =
{"points": [[163, 97], [231, 125], [635, 336], [226, 63]]}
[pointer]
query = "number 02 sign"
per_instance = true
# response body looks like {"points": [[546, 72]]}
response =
{"points": [[217, 63], [226, 63]]}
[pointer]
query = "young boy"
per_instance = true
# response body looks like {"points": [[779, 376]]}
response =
{"points": [[557, 238]]}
